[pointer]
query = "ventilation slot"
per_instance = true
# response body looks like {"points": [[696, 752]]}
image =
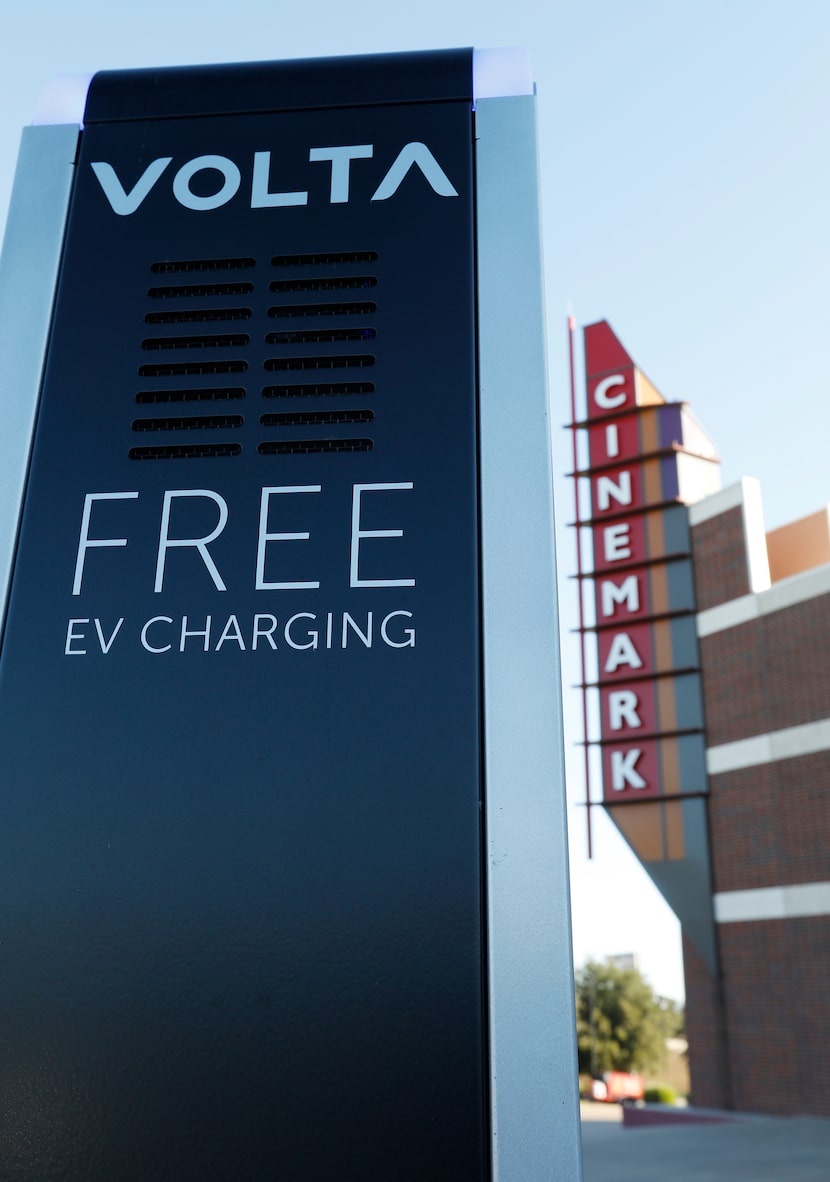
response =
{"points": [[200, 289], [224, 341], [329, 283], [188, 265], [197, 316], [194, 423], [184, 368], [330, 259], [206, 395], [193, 451], [354, 361], [318, 390], [364, 309], [316, 336], [308, 446], [316, 417]]}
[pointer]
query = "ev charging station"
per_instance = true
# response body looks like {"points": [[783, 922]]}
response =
{"points": [[282, 845]]}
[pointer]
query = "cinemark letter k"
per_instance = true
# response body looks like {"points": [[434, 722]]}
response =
{"points": [[623, 771]]}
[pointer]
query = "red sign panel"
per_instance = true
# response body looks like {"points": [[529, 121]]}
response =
{"points": [[623, 597], [632, 769], [630, 587], [628, 709], [619, 542], [625, 651], [611, 393], [616, 490], [618, 440]]}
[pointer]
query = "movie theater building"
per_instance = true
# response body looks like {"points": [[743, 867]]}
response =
{"points": [[707, 646]]}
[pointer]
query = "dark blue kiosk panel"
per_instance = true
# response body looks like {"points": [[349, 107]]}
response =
{"points": [[240, 850]]}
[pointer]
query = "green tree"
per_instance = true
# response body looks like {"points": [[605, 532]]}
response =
{"points": [[621, 1024]]}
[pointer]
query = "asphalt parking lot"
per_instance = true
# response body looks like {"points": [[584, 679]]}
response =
{"points": [[756, 1149]]}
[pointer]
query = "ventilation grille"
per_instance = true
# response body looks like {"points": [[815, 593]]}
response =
{"points": [[347, 361], [197, 290], [331, 259], [285, 447], [197, 316], [189, 423], [181, 451], [187, 266], [326, 283], [183, 369], [209, 394], [317, 336], [318, 390], [229, 340], [332, 271], [309, 418], [195, 303], [355, 309], [216, 292]]}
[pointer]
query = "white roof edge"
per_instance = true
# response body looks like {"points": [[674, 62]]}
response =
{"points": [[501, 73], [803, 585], [798, 588], [755, 532], [798, 900], [727, 498], [807, 738], [63, 100]]}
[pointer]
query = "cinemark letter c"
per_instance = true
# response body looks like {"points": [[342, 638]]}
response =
{"points": [[607, 401]]}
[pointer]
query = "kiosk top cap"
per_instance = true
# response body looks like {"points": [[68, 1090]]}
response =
{"points": [[448, 75]]}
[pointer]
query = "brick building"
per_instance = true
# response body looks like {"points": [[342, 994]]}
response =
{"points": [[716, 746], [760, 1035]]}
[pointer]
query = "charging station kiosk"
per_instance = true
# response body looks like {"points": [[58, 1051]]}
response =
{"points": [[282, 836]]}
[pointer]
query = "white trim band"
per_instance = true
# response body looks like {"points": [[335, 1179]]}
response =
{"points": [[799, 588], [731, 497], [788, 743], [501, 73], [781, 902], [728, 615]]}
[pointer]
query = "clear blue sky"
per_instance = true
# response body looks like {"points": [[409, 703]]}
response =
{"points": [[686, 190]]}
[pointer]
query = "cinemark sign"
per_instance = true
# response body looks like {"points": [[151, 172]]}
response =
{"points": [[644, 463], [647, 460]]}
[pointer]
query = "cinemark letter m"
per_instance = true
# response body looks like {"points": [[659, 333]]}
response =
{"points": [[625, 594]]}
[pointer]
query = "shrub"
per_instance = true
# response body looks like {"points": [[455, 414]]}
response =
{"points": [[660, 1094]]}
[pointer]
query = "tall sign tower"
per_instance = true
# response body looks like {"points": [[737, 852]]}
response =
{"points": [[283, 845], [648, 459]]}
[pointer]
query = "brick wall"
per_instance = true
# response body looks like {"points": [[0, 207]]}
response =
{"points": [[759, 1037], [734, 694], [721, 571], [768, 673], [706, 1032], [776, 977], [770, 825]]}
